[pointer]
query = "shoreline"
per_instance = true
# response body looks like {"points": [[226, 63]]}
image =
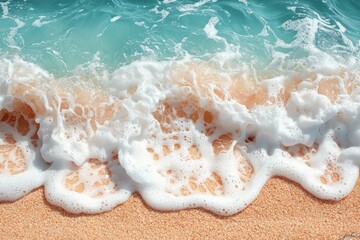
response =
{"points": [[282, 210]]}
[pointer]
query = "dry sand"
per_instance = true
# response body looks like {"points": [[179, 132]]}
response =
{"points": [[283, 210]]}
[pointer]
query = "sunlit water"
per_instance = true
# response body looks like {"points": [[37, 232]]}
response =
{"points": [[190, 103]]}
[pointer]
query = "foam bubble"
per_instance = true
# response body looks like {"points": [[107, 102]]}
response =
{"points": [[114, 19], [210, 29], [183, 134]]}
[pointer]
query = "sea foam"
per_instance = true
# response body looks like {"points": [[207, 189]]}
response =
{"points": [[183, 133]]}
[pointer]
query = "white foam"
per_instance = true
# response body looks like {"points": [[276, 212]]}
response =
{"points": [[13, 31], [210, 29], [164, 130], [5, 8], [39, 22], [114, 19], [162, 12], [168, 1], [244, 2], [194, 6]]}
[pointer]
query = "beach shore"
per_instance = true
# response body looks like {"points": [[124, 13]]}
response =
{"points": [[283, 210]]}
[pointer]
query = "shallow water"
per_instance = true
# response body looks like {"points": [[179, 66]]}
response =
{"points": [[190, 103]]}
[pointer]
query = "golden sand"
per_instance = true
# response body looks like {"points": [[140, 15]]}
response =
{"points": [[283, 210]]}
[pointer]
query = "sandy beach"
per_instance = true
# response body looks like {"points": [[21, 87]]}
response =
{"points": [[175, 104], [283, 210]]}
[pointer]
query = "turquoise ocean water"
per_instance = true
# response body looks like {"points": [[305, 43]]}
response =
{"points": [[60, 35]]}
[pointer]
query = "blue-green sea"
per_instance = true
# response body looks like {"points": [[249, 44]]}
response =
{"points": [[60, 35]]}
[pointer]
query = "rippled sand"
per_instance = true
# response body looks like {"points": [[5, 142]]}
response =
{"points": [[292, 214]]}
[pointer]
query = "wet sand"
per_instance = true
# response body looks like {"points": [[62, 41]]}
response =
{"points": [[283, 210]]}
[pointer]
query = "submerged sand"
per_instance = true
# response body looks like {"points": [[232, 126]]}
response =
{"points": [[283, 210]]}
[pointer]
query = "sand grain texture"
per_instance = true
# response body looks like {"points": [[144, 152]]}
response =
{"points": [[283, 210]]}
